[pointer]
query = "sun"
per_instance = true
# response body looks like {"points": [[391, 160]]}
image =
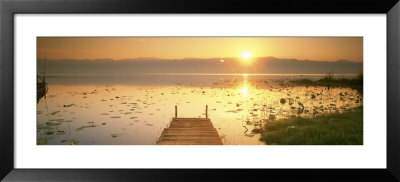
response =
{"points": [[246, 55]]}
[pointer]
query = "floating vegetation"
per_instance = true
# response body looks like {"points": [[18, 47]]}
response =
{"points": [[44, 127], [257, 130], [60, 120], [262, 104], [83, 127], [70, 141], [42, 140], [54, 113], [60, 132], [49, 123], [115, 135]]}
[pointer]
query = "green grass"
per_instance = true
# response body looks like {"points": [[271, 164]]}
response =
{"points": [[330, 81], [330, 129]]}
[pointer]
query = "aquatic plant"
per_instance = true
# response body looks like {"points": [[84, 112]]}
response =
{"points": [[42, 140], [49, 123], [329, 129], [115, 135], [70, 141], [83, 127]]}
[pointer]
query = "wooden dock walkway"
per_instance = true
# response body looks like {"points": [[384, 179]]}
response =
{"points": [[190, 131]]}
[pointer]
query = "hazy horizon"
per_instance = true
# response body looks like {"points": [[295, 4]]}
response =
{"points": [[120, 48], [264, 65]]}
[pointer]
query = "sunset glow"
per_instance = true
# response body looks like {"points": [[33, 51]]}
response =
{"points": [[245, 48], [246, 55]]}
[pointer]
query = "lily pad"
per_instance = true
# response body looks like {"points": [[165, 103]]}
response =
{"points": [[115, 135], [42, 141], [44, 127], [54, 113], [49, 123], [83, 127], [60, 132], [70, 141]]}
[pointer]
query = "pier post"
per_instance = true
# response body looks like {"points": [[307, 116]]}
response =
{"points": [[206, 111], [176, 111]]}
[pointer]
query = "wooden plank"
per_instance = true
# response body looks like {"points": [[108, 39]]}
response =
{"points": [[190, 131], [188, 143], [188, 137]]}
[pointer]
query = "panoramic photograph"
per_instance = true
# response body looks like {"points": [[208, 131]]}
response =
{"points": [[199, 91]]}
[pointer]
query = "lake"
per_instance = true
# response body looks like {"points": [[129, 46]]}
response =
{"points": [[133, 109]]}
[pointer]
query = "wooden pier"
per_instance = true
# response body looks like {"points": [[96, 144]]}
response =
{"points": [[190, 131]]}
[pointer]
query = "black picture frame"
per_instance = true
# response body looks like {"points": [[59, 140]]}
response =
{"points": [[9, 8]]}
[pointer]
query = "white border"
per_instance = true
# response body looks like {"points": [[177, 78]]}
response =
{"points": [[371, 155]]}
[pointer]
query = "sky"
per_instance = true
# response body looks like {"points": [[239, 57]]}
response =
{"points": [[119, 48]]}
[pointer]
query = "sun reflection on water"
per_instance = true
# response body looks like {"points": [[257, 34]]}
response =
{"points": [[245, 89]]}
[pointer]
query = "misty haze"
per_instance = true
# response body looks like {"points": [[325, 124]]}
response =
{"points": [[267, 65]]}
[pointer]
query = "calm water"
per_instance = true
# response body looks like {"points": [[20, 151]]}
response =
{"points": [[126, 109]]}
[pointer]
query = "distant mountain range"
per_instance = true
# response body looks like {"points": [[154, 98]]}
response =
{"points": [[267, 65]]}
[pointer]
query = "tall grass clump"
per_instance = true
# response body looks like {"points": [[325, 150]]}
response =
{"points": [[330, 129]]}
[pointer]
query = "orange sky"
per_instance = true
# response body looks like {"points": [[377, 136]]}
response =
{"points": [[311, 48]]}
